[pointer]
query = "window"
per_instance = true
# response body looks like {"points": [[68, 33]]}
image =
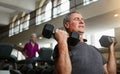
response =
{"points": [[26, 22], [42, 16], [60, 7], [48, 11], [65, 5], [45, 12], [16, 27], [21, 24], [12, 26], [86, 2], [56, 7], [38, 16], [11, 30]]}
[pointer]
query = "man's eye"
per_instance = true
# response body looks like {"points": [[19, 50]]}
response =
{"points": [[76, 19]]}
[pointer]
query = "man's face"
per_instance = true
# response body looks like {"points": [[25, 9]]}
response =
{"points": [[76, 23], [33, 38]]}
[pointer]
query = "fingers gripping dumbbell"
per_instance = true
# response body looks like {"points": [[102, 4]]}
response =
{"points": [[48, 31], [106, 41]]}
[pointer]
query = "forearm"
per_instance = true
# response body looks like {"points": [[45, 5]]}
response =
{"points": [[111, 65], [24, 54], [63, 65]]}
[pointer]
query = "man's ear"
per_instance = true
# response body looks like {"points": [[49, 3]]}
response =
{"points": [[67, 24]]}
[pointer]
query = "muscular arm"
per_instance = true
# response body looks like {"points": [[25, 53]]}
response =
{"points": [[111, 67], [63, 63]]}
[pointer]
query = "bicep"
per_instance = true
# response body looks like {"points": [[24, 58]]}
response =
{"points": [[55, 57], [105, 69]]}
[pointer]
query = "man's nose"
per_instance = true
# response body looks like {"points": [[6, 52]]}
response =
{"points": [[81, 21]]}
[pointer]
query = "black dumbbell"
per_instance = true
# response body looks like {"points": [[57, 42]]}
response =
{"points": [[48, 31], [106, 41]]}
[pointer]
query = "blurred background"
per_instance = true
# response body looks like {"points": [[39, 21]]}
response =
{"points": [[20, 18]]}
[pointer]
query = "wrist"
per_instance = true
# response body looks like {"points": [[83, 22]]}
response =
{"points": [[63, 46], [111, 50], [62, 41], [111, 47]]}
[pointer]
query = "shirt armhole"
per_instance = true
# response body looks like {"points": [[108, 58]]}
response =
{"points": [[55, 53]]}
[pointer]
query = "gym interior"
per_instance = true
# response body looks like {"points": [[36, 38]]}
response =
{"points": [[20, 18]]}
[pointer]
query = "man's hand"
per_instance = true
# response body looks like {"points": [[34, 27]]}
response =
{"points": [[111, 66], [61, 35], [26, 56], [112, 46]]}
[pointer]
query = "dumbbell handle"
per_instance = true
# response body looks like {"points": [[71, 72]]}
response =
{"points": [[73, 38]]}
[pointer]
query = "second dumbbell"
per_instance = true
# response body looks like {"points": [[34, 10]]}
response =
{"points": [[106, 41]]}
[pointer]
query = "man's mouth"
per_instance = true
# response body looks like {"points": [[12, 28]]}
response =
{"points": [[81, 26], [80, 32]]}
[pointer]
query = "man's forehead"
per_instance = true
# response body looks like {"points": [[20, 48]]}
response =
{"points": [[76, 15], [33, 36]]}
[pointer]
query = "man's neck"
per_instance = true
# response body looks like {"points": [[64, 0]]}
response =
{"points": [[32, 42], [81, 38]]}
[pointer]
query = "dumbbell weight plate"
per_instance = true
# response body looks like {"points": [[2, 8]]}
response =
{"points": [[73, 38], [106, 41], [48, 31]]}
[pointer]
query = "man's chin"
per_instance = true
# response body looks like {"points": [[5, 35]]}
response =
{"points": [[80, 32]]}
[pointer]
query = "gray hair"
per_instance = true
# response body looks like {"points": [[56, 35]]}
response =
{"points": [[67, 18], [33, 35]]}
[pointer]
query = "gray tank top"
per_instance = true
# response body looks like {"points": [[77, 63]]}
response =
{"points": [[85, 59]]}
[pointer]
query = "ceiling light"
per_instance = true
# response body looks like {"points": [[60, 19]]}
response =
{"points": [[20, 43], [116, 15], [40, 38]]}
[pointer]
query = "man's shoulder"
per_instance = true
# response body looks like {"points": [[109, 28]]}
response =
{"points": [[27, 43]]}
